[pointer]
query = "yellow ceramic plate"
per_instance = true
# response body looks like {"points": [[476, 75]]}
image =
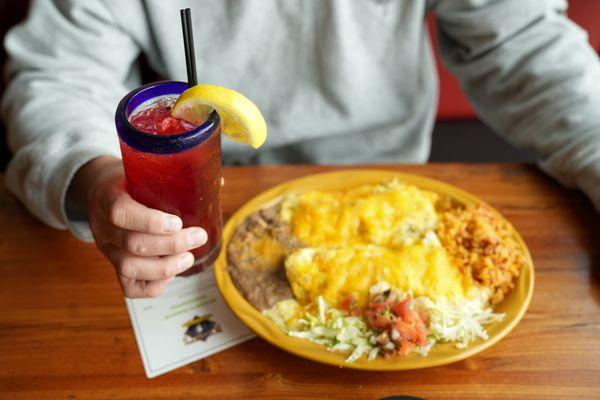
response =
{"points": [[514, 305]]}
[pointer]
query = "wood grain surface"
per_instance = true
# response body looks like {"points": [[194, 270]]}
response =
{"points": [[65, 332]]}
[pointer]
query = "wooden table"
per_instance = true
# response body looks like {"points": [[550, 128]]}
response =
{"points": [[65, 332]]}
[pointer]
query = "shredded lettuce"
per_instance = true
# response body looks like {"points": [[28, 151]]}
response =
{"points": [[331, 327], [458, 321]]}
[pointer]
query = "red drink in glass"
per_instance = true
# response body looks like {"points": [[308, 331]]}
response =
{"points": [[172, 165], [156, 119]]}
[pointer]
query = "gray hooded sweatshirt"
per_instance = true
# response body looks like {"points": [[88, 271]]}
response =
{"points": [[338, 81]]}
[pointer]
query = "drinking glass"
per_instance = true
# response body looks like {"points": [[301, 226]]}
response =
{"points": [[179, 174]]}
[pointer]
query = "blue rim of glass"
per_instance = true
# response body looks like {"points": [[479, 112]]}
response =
{"points": [[159, 144]]}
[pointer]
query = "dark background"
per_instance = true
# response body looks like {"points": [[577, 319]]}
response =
{"points": [[457, 131]]}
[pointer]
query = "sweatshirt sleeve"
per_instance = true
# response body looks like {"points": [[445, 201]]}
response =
{"points": [[531, 75], [67, 66]]}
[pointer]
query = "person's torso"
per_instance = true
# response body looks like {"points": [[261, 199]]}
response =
{"points": [[338, 81]]}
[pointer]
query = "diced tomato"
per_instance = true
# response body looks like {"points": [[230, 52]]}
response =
{"points": [[386, 313], [402, 309], [355, 312], [346, 304], [377, 307], [407, 331], [350, 304], [377, 320], [406, 348], [398, 308], [422, 332]]}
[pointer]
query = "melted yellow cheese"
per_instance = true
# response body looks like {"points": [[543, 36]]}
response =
{"points": [[362, 236], [335, 273], [386, 215]]}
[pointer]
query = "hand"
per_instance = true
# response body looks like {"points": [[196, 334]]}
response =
{"points": [[146, 246]]}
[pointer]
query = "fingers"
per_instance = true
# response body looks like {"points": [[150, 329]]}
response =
{"points": [[148, 247], [141, 289], [124, 212], [144, 244], [148, 268]]}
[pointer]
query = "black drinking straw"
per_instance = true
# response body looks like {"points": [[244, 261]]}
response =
{"points": [[188, 44]]}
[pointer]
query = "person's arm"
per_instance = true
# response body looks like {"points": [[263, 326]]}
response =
{"points": [[531, 75], [68, 65]]}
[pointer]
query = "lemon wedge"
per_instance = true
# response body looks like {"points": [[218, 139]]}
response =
{"points": [[241, 120]]}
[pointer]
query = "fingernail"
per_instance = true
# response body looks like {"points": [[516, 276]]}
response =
{"points": [[185, 261], [196, 237], [172, 224]]}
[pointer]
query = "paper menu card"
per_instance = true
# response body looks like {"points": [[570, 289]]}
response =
{"points": [[188, 322]]}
